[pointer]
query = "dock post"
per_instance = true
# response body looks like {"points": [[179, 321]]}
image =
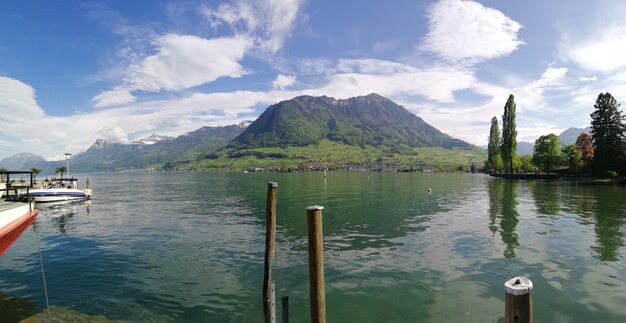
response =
{"points": [[518, 303], [316, 264], [270, 236], [285, 302], [87, 188]]}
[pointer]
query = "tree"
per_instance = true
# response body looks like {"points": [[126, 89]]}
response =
{"points": [[584, 144], [36, 172], [62, 170], [546, 152], [493, 146], [498, 164], [526, 163], [573, 157], [607, 128], [509, 134]]}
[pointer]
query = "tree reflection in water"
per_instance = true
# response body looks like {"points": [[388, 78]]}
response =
{"points": [[502, 205]]}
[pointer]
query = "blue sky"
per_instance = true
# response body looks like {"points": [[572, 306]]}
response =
{"points": [[75, 71]]}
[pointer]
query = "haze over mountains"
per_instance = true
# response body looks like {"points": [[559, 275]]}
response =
{"points": [[365, 121], [567, 137]]}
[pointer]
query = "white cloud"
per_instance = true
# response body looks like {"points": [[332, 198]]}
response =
{"points": [[17, 101], [532, 95], [603, 52], [469, 122], [363, 76], [113, 133], [268, 22], [283, 81], [467, 31], [113, 98], [185, 61], [588, 79]]}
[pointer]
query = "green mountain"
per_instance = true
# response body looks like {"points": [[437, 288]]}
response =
{"points": [[366, 120]]}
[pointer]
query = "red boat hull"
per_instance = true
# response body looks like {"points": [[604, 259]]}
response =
{"points": [[12, 231]]}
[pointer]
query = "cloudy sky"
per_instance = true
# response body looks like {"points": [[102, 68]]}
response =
{"points": [[72, 72]]}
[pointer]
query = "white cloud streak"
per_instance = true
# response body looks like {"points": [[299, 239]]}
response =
{"points": [[113, 98], [268, 22], [185, 61], [283, 81], [467, 32], [603, 52], [181, 62]]}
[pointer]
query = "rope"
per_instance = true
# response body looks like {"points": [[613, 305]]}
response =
{"points": [[43, 276]]}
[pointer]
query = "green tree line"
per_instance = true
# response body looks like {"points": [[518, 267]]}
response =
{"points": [[601, 152]]}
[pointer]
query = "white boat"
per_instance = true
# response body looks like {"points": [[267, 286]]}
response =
{"points": [[59, 189]]}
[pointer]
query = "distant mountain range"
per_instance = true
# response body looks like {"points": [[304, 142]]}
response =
{"points": [[26, 161], [107, 156], [366, 121], [567, 137]]}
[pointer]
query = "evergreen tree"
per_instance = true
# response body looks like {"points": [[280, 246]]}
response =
{"points": [[509, 134], [607, 128], [493, 147]]}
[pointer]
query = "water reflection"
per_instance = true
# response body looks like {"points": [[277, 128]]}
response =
{"points": [[61, 213], [609, 223], [502, 205], [546, 196]]}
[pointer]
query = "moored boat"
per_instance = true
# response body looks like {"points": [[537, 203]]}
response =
{"points": [[59, 189], [15, 214]]}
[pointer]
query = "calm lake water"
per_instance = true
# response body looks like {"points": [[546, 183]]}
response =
{"points": [[172, 247]]}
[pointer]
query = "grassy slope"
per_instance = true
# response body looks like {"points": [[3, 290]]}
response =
{"points": [[335, 152]]}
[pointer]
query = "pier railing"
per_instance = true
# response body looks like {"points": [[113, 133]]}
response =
{"points": [[13, 182]]}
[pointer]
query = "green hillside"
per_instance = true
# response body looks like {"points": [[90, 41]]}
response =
{"points": [[340, 155], [367, 120]]}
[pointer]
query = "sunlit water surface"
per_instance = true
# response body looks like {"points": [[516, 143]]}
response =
{"points": [[169, 247]]}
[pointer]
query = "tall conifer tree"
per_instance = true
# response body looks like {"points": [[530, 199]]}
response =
{"points": [[607, 128], [509, 134]]}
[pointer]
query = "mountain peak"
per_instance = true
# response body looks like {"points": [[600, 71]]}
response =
{"points": [[364, 120], [100, 144], [153, 139], [244, 124]]}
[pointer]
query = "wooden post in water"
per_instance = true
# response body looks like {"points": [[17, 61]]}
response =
{"points": [[316, 264], [285, 302], [518, 303], [270, 236], [87, 188]]}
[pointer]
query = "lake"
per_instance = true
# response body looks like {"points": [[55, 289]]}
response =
{"points": [[168, 247]]}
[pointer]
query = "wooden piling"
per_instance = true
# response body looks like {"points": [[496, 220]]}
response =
{"points": [[316, 264], [285, 302], [518, 304], [270, 236], [88, 188]]}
